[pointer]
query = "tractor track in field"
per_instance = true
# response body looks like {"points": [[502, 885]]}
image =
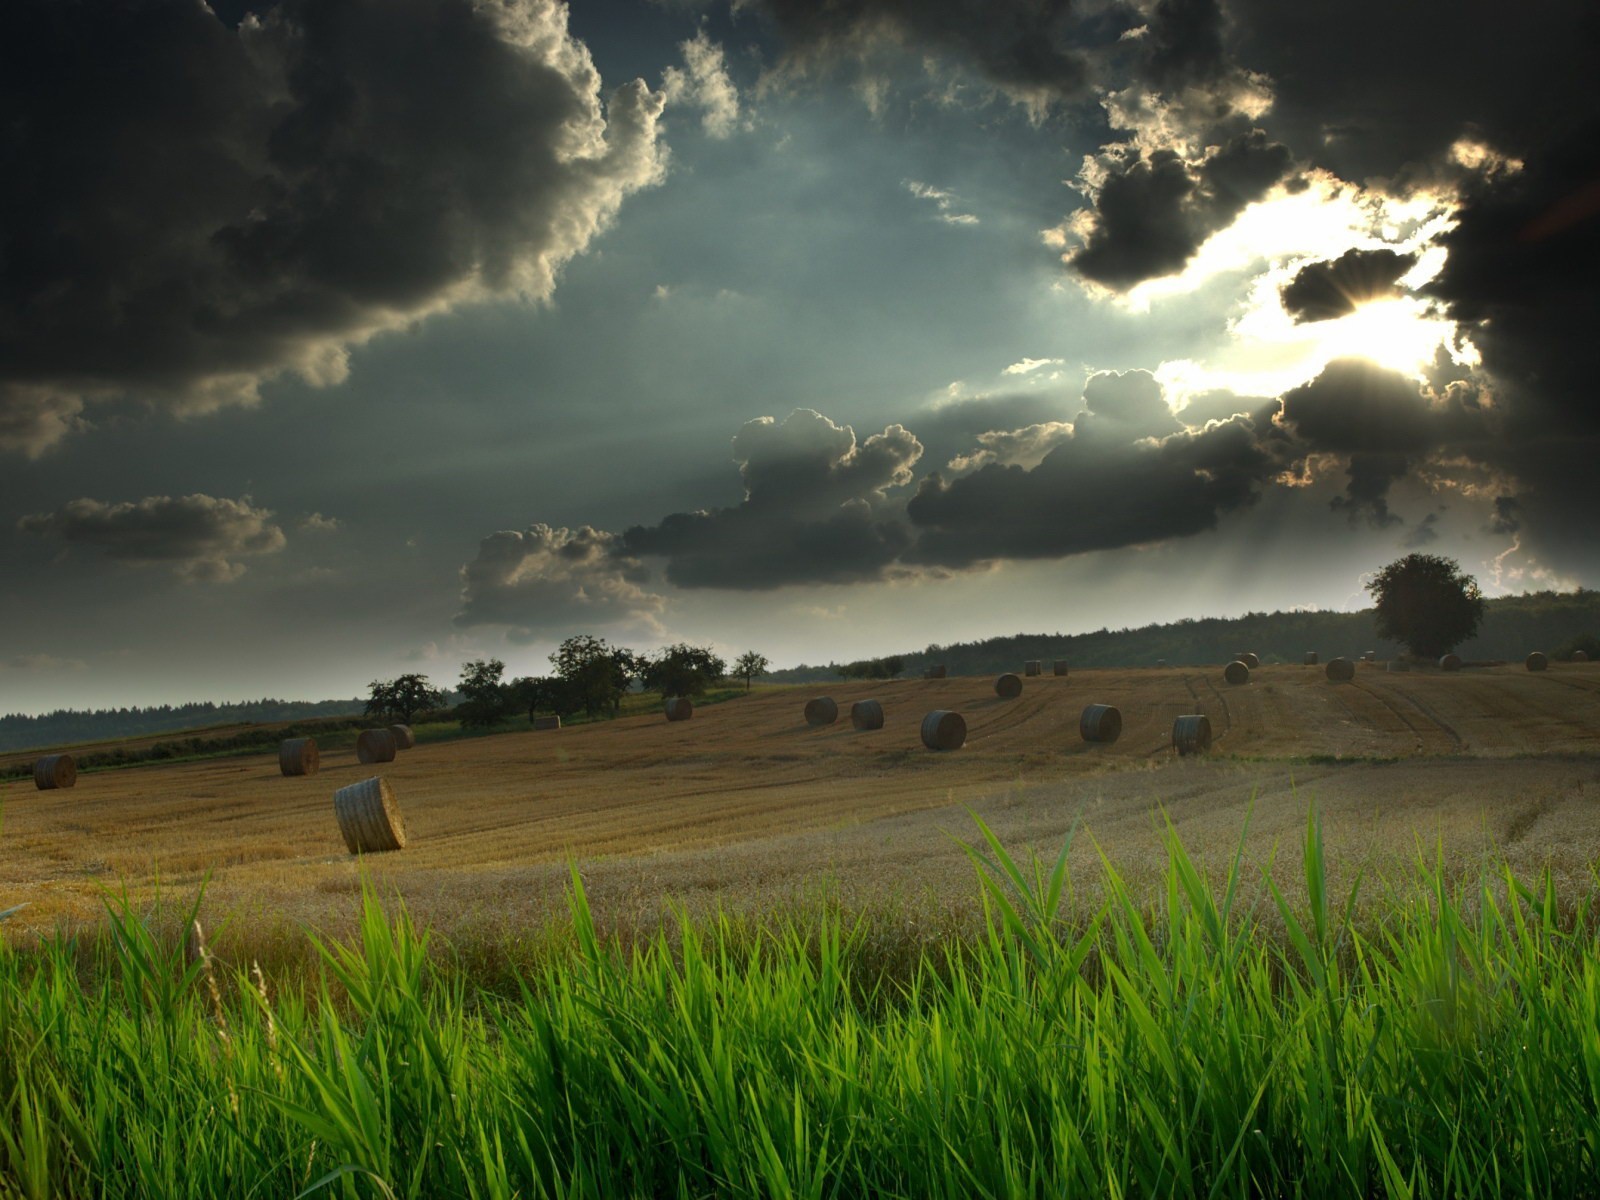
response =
{"points": [[1435, 722]]}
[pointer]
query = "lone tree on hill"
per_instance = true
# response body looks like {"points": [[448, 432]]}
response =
{"points": [[749, 665], [403, 698], [1424, 602]]}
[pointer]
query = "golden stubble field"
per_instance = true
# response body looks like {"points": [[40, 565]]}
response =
{"points": [[746, 806]]}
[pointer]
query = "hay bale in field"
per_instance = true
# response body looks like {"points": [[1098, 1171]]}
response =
{"points": [[1192, 734], [1370, 656], [944, 730], [1450, 662], [1311, 658], [404, 739], [1580, 656], [1100, 723], [1032, 667], [55, 771], [1399, 664], [1537, 661], [1060, 667], [1008, 687], [866, 714], [1341, 670], [1236, 672], [938, 672], [1250, 659], [542, 723], [298, 756], [375, 746], [369, 818], [821, 711], [679, 708]]}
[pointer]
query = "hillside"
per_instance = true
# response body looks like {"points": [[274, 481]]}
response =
{"points": [[1512, 626], [67, 727]]}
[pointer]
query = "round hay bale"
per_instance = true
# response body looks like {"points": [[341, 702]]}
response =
{"points": [[298, 756], [1008, 687], [944, 730], [542, 723], [1236, 672], [866, 714], [1192, 734], [1370, 656], [1450, 662], [1580, 656], [55, 771], [1537, 661], [1341, 670], [1311, 658], [369, 818], [938, 672], [375, 746], [1060, 667], [1032, 667], [1100, 723], [404, 739], [1399, 664], [1249, 659], [821, 711], [679, 708]]}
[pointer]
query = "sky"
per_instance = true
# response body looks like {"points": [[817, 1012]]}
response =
{"points": [[346, 338]]}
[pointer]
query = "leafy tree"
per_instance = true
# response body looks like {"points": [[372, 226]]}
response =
{"points": [[594, 675], [546, 692], [749, 665], [485, 699], [403, 698], [1424, 602], [683, 670]]}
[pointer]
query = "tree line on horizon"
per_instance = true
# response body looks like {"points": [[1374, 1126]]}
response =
{"points": [[591, 676]]}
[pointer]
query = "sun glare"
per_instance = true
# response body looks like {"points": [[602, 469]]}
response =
{"points": [[1397, 333]]}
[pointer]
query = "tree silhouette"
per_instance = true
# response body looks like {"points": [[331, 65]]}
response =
{"points": [[749, 665], [403, 697], [1425, 602]]}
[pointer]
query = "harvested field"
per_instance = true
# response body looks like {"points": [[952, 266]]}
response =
{"points": [[748, 805]]}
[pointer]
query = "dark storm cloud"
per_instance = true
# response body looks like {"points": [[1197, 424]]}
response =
{"points": [[1183, 44], [191, 208], [815, 510], [545, 580], [1322, 291], [1384, 423], [1152, 211], [1030, 49], [198, 537], [1374, 90], [1086, 496]]}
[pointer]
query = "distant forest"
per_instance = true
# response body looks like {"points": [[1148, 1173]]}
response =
{"points": [[1512, 626], [67, 726]]}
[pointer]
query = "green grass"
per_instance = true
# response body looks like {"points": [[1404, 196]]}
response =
{"points": [[1165, 1045]]}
